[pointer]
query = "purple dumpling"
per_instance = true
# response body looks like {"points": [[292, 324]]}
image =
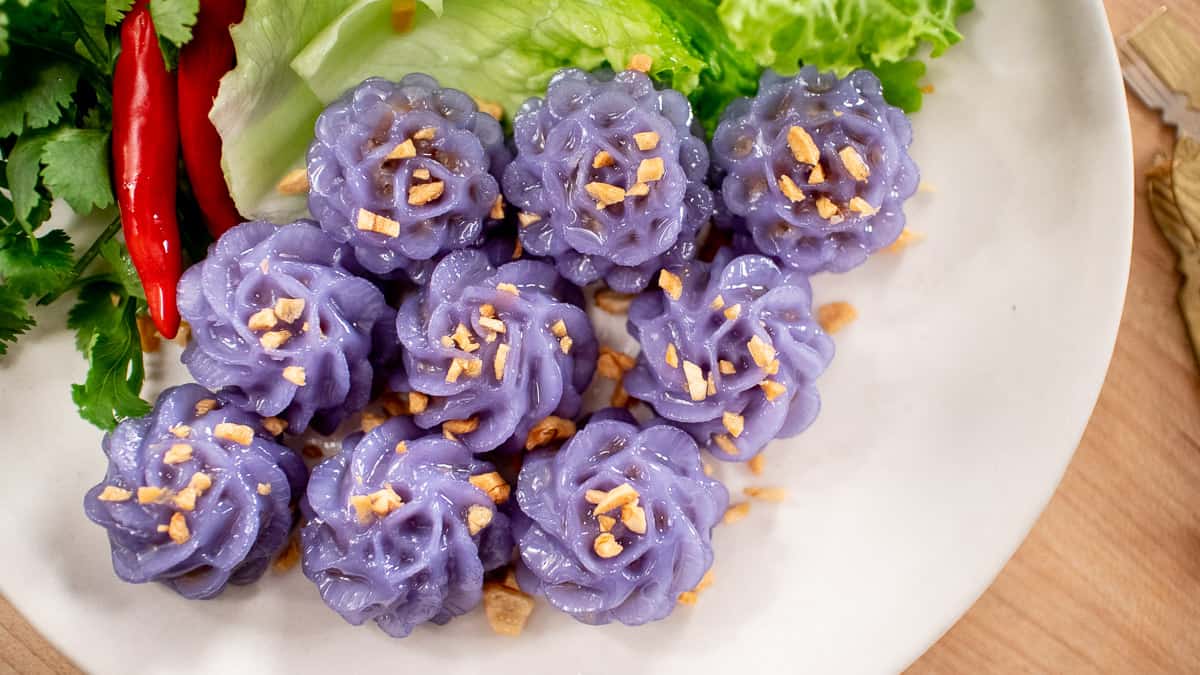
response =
{"points": [[405, 172], [282, 327], [618, 522], [730, 352], [401, 527], [496, 349], [609, 177], [196, 495], [815, 169]]}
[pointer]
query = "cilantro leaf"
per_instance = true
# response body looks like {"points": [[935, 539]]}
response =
{"points": [[97, 308], [14, 318], [112, 389], [37, 99], [173, 19], [77, 168], [117, 257], [30, 270], [22, 172], [115, 10], [901, 83]]}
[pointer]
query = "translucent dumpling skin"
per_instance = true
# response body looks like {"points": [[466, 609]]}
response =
{"points": [[197, 495], [609, 177], [815, 170], [730, 352], [281, 326], [497, 349], [397, 533], [618, 522], [404, 172]]}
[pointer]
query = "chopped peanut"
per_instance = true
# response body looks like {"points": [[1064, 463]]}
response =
{"points": [[816, 176], [736, 512], [549, 430], [455, 370], [421, 174], [501, 361], [490, 108], [425, 134], [288, 557], [760, 351], [835, 316], [274, 425], [789, 188], [767, 494], [612, 301], [205, 406], [672, 356], [860, 205], [622, 360], [804, 148], [606, 523], [907, 238], [371, 421], [565, 344], [401, 447], [181, 431], [419, 195], [854, 163], [200, 482], [772, 389], [717, 303], [606, 545], [162, 528], [638, 190], [825, 208], [726, 444], [384, 500], [478, 517], [497, 211], [493, 485], [671, 284], [605, 195], [711, 385], [461, 426], [294, 182], [732, 312], [594, 496], [646, 140], [634, 518], [602, 159], [403, 150], [508, 288], [362, 508], [616, 498], [462, 337], [734, 422], [620, 397], [111, 493], [275, 339], [178, 454], [263, 319], [264, 489], [526, 219], [650, 170], [641, 62], [289, 309], [295, 375], [238, 433], [186, 499], [756, 464], [696, 385], [559, 328], [726, 368], [178, 529], [517, 250], [689, 598], [417, 402], [152, 495], [507, 608], [373, 222]]}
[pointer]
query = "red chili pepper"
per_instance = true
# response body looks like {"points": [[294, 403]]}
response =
{"points": [[145, 152], [202, 62]]}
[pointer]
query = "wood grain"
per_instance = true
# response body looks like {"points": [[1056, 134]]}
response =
{"points": [[1109, 579]]}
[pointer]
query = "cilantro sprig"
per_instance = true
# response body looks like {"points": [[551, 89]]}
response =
{"points": [[56, 66]]}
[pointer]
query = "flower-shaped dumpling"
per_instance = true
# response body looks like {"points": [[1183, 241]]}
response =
{"points": [[815, 168], [618, 522], [401, 527], [497, 350], [196, 495], [280, 326], [404, 172], [730, 352], [609, 177]]}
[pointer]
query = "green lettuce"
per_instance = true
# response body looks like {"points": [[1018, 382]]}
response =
{"points": [[294, 57], [842, 35]]}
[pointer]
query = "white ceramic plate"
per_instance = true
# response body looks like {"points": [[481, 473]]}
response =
{"points": [[951, 410]]}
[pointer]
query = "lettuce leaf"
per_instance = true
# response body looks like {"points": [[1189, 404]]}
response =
{"points": [[842, 35], [296, 56]]}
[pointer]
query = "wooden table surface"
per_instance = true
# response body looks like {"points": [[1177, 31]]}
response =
{"points": [[1109, 579]]}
